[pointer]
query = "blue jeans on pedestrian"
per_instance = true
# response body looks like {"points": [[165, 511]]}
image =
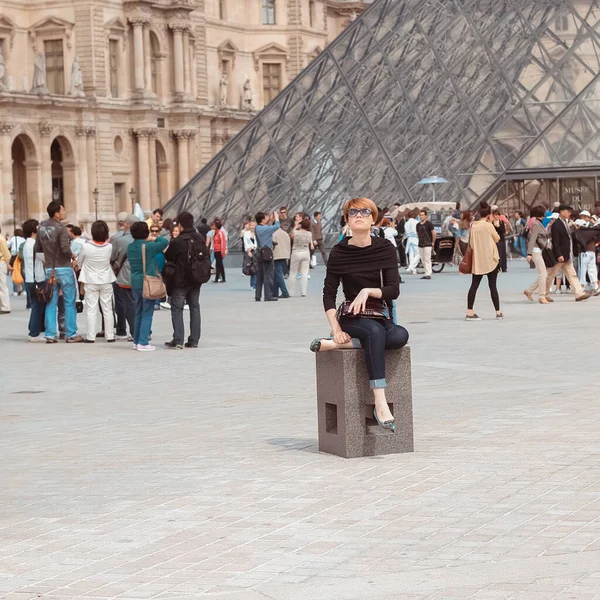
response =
{"points": [[142, 324], [65, 281], [38, 312], [279, 278], [253, 281]]}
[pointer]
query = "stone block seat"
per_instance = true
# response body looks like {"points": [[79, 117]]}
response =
{"points": [[345, 404]]}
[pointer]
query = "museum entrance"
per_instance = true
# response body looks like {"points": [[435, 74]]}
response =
{"points": [[582, 192]]}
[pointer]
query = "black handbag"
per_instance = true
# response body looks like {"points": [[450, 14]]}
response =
{"points": [[375, 308], [44, 290], [549, 258]]}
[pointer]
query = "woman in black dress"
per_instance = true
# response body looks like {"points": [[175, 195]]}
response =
{"points": [[367, 267]]}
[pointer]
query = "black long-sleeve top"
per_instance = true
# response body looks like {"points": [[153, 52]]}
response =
{"points": [[359, 268]]}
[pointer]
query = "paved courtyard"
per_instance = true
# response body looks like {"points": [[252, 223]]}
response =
{"points": [[195, 475]]}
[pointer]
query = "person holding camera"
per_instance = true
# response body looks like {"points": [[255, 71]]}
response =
{"points": [[264, 254]]}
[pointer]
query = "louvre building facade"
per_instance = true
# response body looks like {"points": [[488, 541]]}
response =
{"points": [[499, 97]]}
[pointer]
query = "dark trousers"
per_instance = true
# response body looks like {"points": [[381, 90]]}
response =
{"points": [[402, 254], [492, 282], [375, 338], [321, 246], [37, 315], [279, 278], [219, 268], [503, 257], [179, 296], [125, 309], [264, 278]]}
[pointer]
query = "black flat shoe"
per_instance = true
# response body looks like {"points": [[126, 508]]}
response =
{"points": [[190, 345]]}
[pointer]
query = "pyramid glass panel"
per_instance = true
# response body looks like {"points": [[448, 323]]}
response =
{"points": [[474, 91]]}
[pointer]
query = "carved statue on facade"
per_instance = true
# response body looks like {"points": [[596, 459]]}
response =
{"points": [[38, 85], [2, 74], [248, 95], [223, 90], [76, 80]]}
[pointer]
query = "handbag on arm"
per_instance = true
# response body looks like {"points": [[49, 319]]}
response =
{"points": [[44, 290], [466, 264], [376, 308], [154, 286]]}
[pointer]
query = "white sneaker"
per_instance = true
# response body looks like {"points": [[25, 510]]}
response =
{"points": [[147, 348], [186, 307], [14, 293], [122, 338], [553, 289], [134, 346], [165, 305], [36, 340]]}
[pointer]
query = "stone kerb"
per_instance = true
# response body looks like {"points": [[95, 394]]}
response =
{"points": [[347, 427]]}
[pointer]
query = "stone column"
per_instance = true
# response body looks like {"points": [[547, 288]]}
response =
{"points": [[192, 154], [183, 159], [143, 195], [45, 129], [138, 53], [83, 186], [147, 58], [90, 133], [6, 179], [178, 58], [154, 198], [186, 61]]}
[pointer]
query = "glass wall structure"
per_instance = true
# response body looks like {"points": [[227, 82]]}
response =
{"points": [[480, 92]]}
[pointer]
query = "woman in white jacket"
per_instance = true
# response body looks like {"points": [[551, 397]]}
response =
{"points": [[412, 242], [97, 277]]}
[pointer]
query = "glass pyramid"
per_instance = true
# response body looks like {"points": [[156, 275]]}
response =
{"points": [[467, 90]]}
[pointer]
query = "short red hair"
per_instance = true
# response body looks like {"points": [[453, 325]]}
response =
{"points": [[361, 203]]}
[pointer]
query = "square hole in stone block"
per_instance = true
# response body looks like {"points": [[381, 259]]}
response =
{"points": [[331, 418]]}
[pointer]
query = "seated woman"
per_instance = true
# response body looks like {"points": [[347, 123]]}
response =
{"points": [[367, 266]]}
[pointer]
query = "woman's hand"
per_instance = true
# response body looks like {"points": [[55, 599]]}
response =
{"points": [[341, 337], [360, 302], [529, 257]]}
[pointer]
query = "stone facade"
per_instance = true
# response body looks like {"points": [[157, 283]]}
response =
{"points": [[97, 99]]}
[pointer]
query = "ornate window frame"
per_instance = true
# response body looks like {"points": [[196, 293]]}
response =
{"points": [[116, 30], [51, 28], [7, 33]]}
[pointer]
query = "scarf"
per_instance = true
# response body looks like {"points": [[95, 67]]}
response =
{"points": [[345, 259]]}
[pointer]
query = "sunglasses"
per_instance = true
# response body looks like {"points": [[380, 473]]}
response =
{"points": [[363, 212], [155, 231]]}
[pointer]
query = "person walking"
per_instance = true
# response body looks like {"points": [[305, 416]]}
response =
{"points": [[412, 242], [33, 270], [282, 249], [220, 250], [316, 228], [466, 220], [184, 286], [144, 308], [4, 262], [53, 241], [562, 246], [538, 242], [483, 241], [367, 267], [300, 260], [426, 235], [264, 241], [97, 277], [122, 293], [15, 243]]}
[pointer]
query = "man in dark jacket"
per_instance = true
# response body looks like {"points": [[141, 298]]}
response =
{"points": [[183, 288], [562, 246]]}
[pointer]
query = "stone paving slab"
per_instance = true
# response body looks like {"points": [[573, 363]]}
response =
{"points": [[195, 474]]}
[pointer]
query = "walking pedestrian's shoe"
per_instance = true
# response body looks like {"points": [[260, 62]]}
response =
{"points": [[390, 425], [596, 292], [544, 300], [583, 297], [499, 316], [147, 348], [173, 345], [473, 318], [36, 340], [51, 341], [549, 299], [426, 277], [76, 339], [529, 295], [315, 345], [62, 336], [190, 345], [86, 341], [271, 299]]}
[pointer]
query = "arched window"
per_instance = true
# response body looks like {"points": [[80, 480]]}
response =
{"points": [[268, 12]]}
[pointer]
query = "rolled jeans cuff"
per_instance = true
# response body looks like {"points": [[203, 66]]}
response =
{"points": [[356, 343], [377, 383]]}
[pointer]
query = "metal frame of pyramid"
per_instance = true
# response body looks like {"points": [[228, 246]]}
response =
{"points": [[468, 90]]}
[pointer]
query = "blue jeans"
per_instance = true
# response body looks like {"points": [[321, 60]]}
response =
{"points": [[279, 278], [65, 280], [521, 245], [253, 281], [142, 324], [38, 312]]}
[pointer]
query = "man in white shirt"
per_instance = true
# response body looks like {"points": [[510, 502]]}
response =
{"points": [[33, 272]]}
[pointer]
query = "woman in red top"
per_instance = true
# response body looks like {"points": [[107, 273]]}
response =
{"points": [[220, 250]]}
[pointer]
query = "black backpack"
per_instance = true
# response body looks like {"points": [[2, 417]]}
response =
{"points": [[197, 267]]}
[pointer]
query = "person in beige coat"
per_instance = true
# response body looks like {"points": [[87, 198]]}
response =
{"points": [[538, 241], [282, 249], [483, 241]]}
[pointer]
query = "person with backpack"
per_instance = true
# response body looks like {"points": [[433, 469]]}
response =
{"points": [[187, 268]]}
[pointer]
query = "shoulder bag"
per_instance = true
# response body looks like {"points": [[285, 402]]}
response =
{"points": [[154, 286], [376, 308], [466, 264], [264, 252], [44, 290]]}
